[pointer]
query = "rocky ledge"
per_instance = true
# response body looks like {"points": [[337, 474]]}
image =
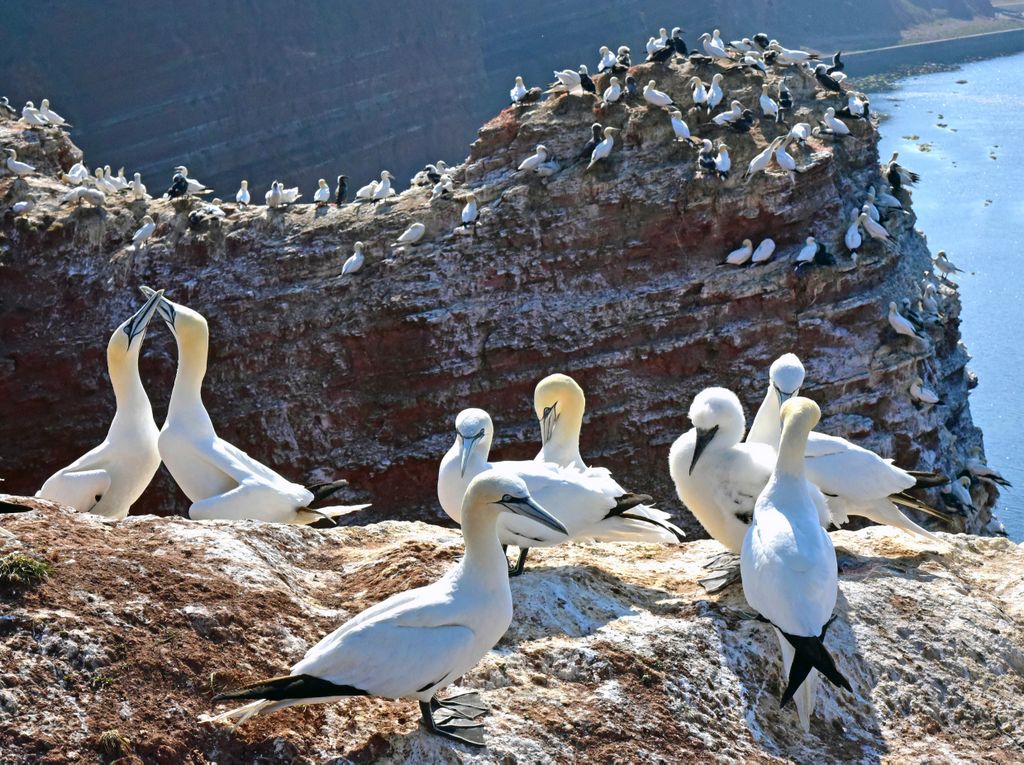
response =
{"points": [[610, 275], [615, 653]]}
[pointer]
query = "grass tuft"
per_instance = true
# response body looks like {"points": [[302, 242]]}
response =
{"points": [[19, 570], [114, 744]]}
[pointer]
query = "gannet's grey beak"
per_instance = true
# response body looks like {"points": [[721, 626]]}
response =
{"points": [[703, 439], [547, 423], [140, 320], [526, 507], [465, 452], [783, 396], [165, 308]]}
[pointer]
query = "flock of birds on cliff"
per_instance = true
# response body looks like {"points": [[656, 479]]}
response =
{"points": [[767, 498]]}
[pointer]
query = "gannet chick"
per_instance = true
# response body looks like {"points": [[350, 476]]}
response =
{"points": [[706, 157], [586, 82], [518, 91], [178, 187], [470, 212], [384, 190], [919, 392], [534, 160], [768, 106], [242, 196], [763, 253], [788, 565], [32, 117], [723, 164], [734, 113], [221, 480], [679, 128], [857, 481], [603, 149], [354, 261], [50, 115], [322, 196], [741, 255], [979, 468], [655, 97], [591, 505], [901, 324], [411, 235], [416, 643], [622, 60], [108, 479], [700, 93], [837, 126], [341, 190], [138, 188], [144, 232], [612, 93], [17, 168], [195, 188], [678, 42]]}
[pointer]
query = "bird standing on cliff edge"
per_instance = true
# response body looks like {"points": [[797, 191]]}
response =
{"points": [[788, 565], [354, 261], [108, 479], [341, 190], [418, 642], [221, 480], [144, 232], [603, 149]]}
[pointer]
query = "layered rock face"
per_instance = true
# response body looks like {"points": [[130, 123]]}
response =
{"points": [[300, 93], [614, 654], [612, 276]]}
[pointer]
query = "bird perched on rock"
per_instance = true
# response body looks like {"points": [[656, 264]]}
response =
{"points": [[706, 157], [785, 160], [679, 128], [898, 176], [874, 229], [700, 93], [901, 324], [535, 160], [740, 255], [813, 253], [612, 93], [194, 187], [715, 93], [761, 161], [603, 149], [31, 116], [632, 91], [51, 116], [655, 97], [178, 187], [677, 42], [354, 261], [16, 167], [275, 197], [919, 392], [734, 113], [144, 232], [6, 108], [723, 164], [470, 212], [660, 54], [853, 238], [137, 188], [242, 196], [341, 190], [519, 91], [23, 206], [567, 81], [826, 80], [322, 196], [596, 136], [586, 82], [606, 61], [945, 266], [744, 123], [622, 60], [788, 565], [834, 125], [769, 108], [712, 49], [80, 194], [763, 253], [411, 235], [785, 101]]}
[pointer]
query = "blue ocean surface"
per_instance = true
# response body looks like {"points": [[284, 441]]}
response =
{"points": [[963, 131]]}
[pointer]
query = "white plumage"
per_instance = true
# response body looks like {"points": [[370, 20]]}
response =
{"points": [[535, 160], [740, 255], [354, 261], [411, 235], [144, 232], [655, 97]]}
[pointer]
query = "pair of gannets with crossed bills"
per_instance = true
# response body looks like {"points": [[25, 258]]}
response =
{"points": [[108, 479], [788, 564], [418, 642], [588, 501], [221, 480]]}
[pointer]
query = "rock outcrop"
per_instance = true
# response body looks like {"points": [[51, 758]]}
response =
{"points": [[611, 275], [306, 92], [615, 654]]}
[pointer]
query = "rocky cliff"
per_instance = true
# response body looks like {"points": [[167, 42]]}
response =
{"points": [[611, 275], [259, 90], [615, 654]]}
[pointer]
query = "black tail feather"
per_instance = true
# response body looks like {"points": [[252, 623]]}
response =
{"points": [[811, 654], [627, 502], [322, 491], [290, 687], [11, 507]]}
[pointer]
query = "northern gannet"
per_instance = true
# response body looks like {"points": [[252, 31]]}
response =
{"points": [[761, 41], [596, 136], [706, 157], [32, 117], [852, 238], [715, 94], [341, 190], [813, 253], [875, 229], [761, 161], [194, 187], [801, 131], [945, 266], [871, 209], [981, 469], [740, 255], [785, 160], [354, 261], [102, 182], [856, 480], [50, 115], [612, 93], [653, 46], [535, 160], [785, 101], [655, 97], [17, 168], [290, 195], [144, 232], [444, 187], [700, 93], [23, 206], [77, 175], [80, 194], [383, 190], [470, 212], [518, 91], [790, 55], [679, 128], [418, 642], [837, 126], [788, 565], [712, 49], [606, 59], [116, 182], [743, 46], [108, 479], [763, 253], [898, 176], [590, 505], [922, 393], [242, 196], [734, 113], [603, 149], [178, 187], [138, 188], [322, 196], [586, 82], [221, 480], [411, 235], [768, 106], [567, 81], [5, 106], [901, 324], [723, 163], [662, 53], [274, 197], [826, 80]]}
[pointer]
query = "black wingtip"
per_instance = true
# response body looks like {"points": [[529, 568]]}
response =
{"points": [[928, 480], [11, 507], [289, 687], [322, 491]]}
